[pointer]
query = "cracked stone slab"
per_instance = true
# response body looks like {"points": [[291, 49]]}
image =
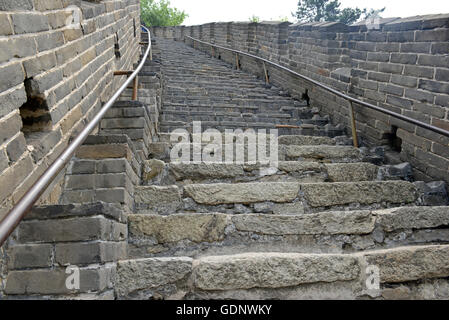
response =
{"points": [[223, 193], [133, 275], [173, 228], [342, 193], [410, 263], [323, 152], [351, 222], [412, 218], [271, 270]]}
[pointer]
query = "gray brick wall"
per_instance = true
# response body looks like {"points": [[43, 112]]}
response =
{"points": [[403, 66], [66, 69], [91, 237]]}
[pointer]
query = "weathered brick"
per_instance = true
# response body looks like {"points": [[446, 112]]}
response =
{"points": [[429, 109], [29, 22], [410, 82], [64, 230], [53, 281], [111, 180], [365, 46], [367, 84], [12, 177], [12, 99], [383, 77], [429, 157], [89, 253], [9, 127], [13, 5], [30, 256], [440, 48], [442, 100], [378, 56], [434, 86], [376, 36], [442, 75], [80, 182], [49, 41], [16, 148], [423, 47], [433, 61], [420, 72], [388, 47], [57, 19], [400, 102], [390, 68], [419, 95], [39, 64], [16, 76], [111, 166], [404, 58], [115, 195], [432, 35], [72, 34], [21, 47], [4, 161], [81, 167], [43, 5], [440, 150], [66, 53], [391, 89], [407, 36], [5, 25]]}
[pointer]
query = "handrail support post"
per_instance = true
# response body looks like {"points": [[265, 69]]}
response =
{"points": [[135, 88], [267, 79], [353, 125]]}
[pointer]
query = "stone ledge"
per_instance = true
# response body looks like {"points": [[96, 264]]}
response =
{"points": [[50, 212]]}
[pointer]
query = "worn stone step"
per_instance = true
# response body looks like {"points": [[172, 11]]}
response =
{"points": [[268, 197], [300, 140], [182, 174], [203, 234], [220, 151], [306, 130], [285, 275], [322, 153]]}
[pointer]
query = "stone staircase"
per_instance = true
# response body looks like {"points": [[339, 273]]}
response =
{"points": [[310, 228], [326, 223], [198, 87]]}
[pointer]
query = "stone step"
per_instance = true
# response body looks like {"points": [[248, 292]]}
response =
{"points": [[161, 173], [300, 140], [218, 151], [287, 275], [308, 130], [204, 234], [235, 101], [268, 197], [229, 108], [223, 114], [281, 120]]}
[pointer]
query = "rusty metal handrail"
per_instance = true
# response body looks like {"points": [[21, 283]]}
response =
{"points": [[329, 89], [13, 218]]}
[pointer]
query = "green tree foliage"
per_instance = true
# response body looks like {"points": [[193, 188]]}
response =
{"points": [[254, 18], [160, 14], [329, 10]]}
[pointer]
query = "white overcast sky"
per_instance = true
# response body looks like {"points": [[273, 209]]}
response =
{"points": [[203, 11]]}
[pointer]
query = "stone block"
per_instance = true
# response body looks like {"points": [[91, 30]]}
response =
{"points": [[30, 256], [29, 22], [16, 76]]}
